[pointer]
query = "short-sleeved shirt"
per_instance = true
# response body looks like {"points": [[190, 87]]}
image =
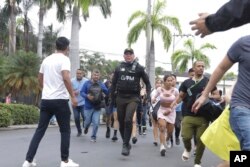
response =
{"points": [[239, 52], [188, 86], [77, 86], [51, 68]]}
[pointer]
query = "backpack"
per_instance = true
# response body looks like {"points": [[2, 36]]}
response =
{"points": [[155, 110], [96, 91]]}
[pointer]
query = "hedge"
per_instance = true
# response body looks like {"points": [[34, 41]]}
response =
{"points": [[19, 114]]}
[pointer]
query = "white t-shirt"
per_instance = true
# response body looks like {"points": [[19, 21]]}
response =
{"points": [[51, 68]]}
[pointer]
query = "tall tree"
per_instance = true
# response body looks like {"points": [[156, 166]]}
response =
{"points": [[83, 5], [11, 9], [181, 58], [26, 23], [90, 61], [159, 23], [50, 36], [44, 5], [4, 29]]}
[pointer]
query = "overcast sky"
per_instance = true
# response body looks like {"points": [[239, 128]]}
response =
{"points": [[109, 35]]}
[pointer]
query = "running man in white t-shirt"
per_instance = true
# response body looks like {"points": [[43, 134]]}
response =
{"points": [[54, 78]]}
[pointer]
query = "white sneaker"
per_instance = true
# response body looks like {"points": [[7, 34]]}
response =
{"points": [[169, 145], [29, 164], [197, 165], [70, 163], [185, 156]]}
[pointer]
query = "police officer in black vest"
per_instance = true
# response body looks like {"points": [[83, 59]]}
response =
{"points": [[125, 91]]}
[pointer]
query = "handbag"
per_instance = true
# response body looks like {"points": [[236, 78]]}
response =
{"points": [[155, 110], [210, 110], [214, 137]]}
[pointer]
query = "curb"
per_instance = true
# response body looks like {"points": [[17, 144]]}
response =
{"points": [[33, 126]]}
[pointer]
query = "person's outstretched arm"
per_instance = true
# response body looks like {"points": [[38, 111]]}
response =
{"points": [[232, 14]]}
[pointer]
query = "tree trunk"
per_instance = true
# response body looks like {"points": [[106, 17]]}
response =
{"points": [[12, 28], [74, 42], [26, 33], [40, 31], [148, 37], [152, 63]]}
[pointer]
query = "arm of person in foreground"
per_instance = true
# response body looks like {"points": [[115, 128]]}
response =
{"points": [[40, 79], [218, 73], [67, 83], [232, 14]]}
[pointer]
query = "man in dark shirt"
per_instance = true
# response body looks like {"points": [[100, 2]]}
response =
{"points": [[192, 122]]}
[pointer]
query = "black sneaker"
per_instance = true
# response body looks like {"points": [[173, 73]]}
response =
{"points": [[114, 138], [163, 151], [177, 141], [134, 140], [79, 134], [126, 149], [108, 133], [150, 122], [155, 143], [139, 129], [86, 131]]}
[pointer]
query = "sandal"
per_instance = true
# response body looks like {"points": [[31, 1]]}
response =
{"points": [[185, 155]]}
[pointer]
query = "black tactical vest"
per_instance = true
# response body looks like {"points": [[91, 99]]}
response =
{"points": [[128, 81]]}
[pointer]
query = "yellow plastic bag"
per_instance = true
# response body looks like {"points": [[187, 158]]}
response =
{"points": [[219, 138]]}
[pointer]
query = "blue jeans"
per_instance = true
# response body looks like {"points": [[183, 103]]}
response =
{"points": [[240, 124], [92, 116], [59, 108], [78, 112]]}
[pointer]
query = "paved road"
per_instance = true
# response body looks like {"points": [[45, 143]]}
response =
{"points": [[103, 153]]}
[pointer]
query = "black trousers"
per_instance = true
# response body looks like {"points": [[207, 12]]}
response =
{"points": [[125, 111], [59, 108]]}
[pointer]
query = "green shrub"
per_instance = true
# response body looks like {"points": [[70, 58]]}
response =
{"points": [[22, 114], [5, 117]]}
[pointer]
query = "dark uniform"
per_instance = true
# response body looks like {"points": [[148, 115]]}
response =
{"points": [[126, 86], [232, 14]]}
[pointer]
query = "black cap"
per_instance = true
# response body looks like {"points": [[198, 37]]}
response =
{"points": [[129, 50]]}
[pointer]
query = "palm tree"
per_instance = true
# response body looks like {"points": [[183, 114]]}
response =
{"points": [[11, 9], [181, 58], [44, 6], [105, 6], [50, 36], [159, 24], [4, 29], [20, 73]]}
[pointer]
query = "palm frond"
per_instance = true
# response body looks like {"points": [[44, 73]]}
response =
{"points": [[135, 32], [135, 15], [159, 7]]}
